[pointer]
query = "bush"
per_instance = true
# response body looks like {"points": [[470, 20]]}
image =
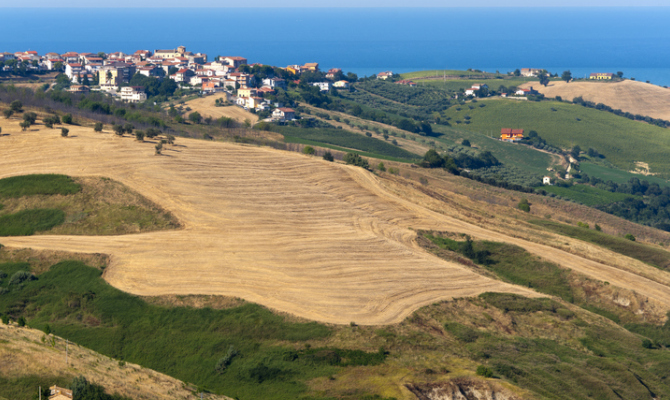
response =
{"points": [[465, 143], [64, 132], [16, 106], [21, 321], [30, 117], [98, 127], [67, 119], [524, 205], [159, 148], [19, 277], [583, 225], [357, 160], [24, 125], [139, 135], [8, 113], [629, 237], [484, 371], [381, 167], [225, 361], [309, 150], [328, 156]]}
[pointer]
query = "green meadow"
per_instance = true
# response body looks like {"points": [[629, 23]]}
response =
{"points": [[587, 195], [457, 84], [619, 139], [616, 175]]}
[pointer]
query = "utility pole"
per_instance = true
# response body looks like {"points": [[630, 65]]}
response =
{"points": [[40, 392], [66, 349]]}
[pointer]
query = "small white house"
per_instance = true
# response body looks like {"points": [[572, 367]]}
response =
{"points": [[323, 86], [341, 84], [283, 114], [470, 92], [546, 180], [133, 94]]}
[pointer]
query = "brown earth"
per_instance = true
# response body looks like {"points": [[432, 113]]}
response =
{"points": [[23, 352], [631, 96], [320, 240], [205, 106]]}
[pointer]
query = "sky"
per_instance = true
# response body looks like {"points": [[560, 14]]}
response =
{"points": [[339, 3]]}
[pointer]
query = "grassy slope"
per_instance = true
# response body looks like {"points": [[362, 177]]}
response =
{"points": [[441, 72], [621, 140], [456, 84], [587, 195], [617, 175], [90, 206]]}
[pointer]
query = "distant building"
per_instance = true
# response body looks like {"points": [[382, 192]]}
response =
{"points": [[78, 89], [284, 113], [332, 72], [601, 76], [323, 86], [59, 393], [246, 92], [384, 75], [133, 94], [274, 83], [526, 92], [528, 72], [234, 61], [406, 82], [546, 180], [313, 67], [511, 135], [341, 84]]}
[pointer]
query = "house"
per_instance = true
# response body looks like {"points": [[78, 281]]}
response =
{"points": [[332, 72], [234, 61], [546, 180], [151, 70], [71, 57], [116, 73], [312, 67], [78, 89], [73, 70], [183, 75], [169, 54], [283, 114], [254, 102], [143, 54], [511, 135], [274, 83], [528, 72], [51, 56], [341, 84], [51, 63], [246, 92], [59, 393], [601, 76], [211, 87], [294, 69], [384, 75], [323, 86], [526, 92], [265, 90], [406, 82], [133, 94], [470, 92], [478, 86]]}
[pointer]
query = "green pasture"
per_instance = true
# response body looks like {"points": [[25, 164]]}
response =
{"points": [[587, 195]]}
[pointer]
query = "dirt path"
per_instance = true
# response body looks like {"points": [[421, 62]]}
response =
{"points": [[631, 96], [324, 241]]}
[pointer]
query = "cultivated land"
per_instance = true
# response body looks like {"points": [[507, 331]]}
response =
{"points": [[631, 96], [324, 241], [205, 106], [29, 353]]}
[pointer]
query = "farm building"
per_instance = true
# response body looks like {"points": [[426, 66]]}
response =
{"points": [[601, 76], [406, 82], [511, 135], [59, 393]]}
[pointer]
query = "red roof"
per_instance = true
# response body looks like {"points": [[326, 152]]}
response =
{"points": [[510, 131], [236, 58]]}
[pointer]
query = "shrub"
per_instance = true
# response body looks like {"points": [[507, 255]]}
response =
{"points": [[8, 113], [524, 205], [357, 160], [67, 119], [598, 228], [30, 117], [5, 319], [309, 150], [98, 127], [465, 143], [118, 129], [328, 156], [16, 106], [19, 277], [583, 225], [381, 167], [484, 371], [461, 332], [629, 237], [225, 361], [159, 148], [128, 128], [24, 125], [64, 132], [22, 321], [139, 135], [170, 139], [368, 134]]}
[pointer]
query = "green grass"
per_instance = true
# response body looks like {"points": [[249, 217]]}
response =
{"points": [[30, 185], [345, 139], [26, 387], [617, 175], [441, 72], [182, 342], [587, 195], [621, 140], [27, 222], [455, 85], [640, 251]]}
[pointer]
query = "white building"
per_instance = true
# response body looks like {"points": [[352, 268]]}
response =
{"points": [[283, 113], [546, 180], [133, 94], [274, 83], [341, 84], [73, 70], [323, 86]]}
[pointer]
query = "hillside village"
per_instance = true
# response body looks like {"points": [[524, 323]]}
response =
{"points": [[229, 76]]}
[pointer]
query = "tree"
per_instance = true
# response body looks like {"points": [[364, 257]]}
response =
{"points": [[118, 129], [381, 167], [31, 117], [170, 139], [357, 160], [58, 66], [64, 132], [517, 72], [309, 150], [47, 329], [139, 135], [98, 127], [432, 159], [85, 81], [22, 321], [544, 78], [16, 106], [629, 237], [128, 128], [619, 74], [24, 125], [67, 119], [328, 156], [195, 117], [108, 77], [484, 371], [159, 148], [524, 205], [575, 152], [566, 76], [8, 113], [465, 143]]}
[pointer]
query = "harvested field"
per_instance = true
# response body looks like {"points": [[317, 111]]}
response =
{"points": [[22, 352], [324, 241], [631, 96], [205, 106]]}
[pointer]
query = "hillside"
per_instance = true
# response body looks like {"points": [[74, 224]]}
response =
{"points": [[26, 357], [364, 230], [207, 108], [629, 96]]}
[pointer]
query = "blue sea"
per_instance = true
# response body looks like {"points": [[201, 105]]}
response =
{"points": [[366, 41]]}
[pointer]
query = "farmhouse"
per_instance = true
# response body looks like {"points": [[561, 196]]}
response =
{"points": [[323, 86], [546, 180], [133, 94], [274, 83], [511, 135], [78, 89], [528, 72], [526, 92], [341, 84], [332, 72], [313, 67], [406, 82], [384, 75], [284, 113], [601, 76], [59, 393]]}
